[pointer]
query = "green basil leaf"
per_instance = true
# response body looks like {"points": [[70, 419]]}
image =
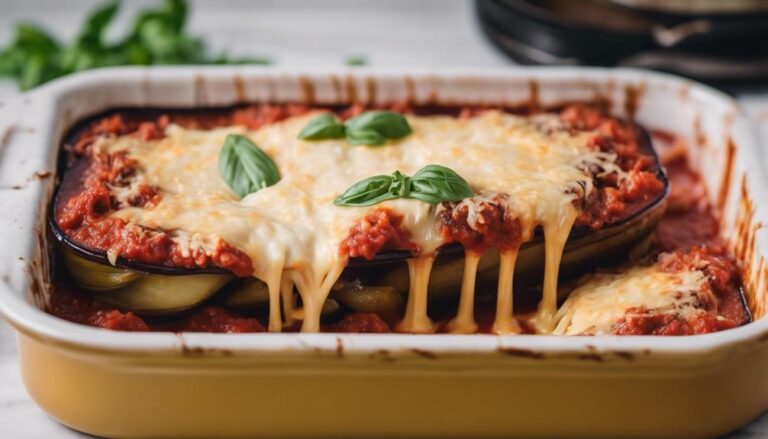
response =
{"points": [[176, 14], [369, 128], [244, 167], [96, 24], [322, 127], [31, 58], [387, 123], [157, 36], [401, 185], [30, 37], [367, 192], [365, 137], [434, 184], [32, 72]]}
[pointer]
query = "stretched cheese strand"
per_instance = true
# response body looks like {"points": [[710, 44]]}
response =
{"points": [[286, 291], [555, 236], [273, 281], [416, 319], [464, 323], [313, 295], [505, 323]]}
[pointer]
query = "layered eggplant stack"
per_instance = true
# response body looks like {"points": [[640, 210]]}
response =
{"points": [[354, 219]]}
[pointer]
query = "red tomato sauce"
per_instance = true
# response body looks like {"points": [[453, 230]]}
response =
{"points": [[492, 227], [722, 279], [380, 229]]}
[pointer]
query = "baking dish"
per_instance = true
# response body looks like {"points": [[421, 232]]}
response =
{"points": [[203, 385]]}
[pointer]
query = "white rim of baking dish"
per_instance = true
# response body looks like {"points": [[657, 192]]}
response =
{"points": [[28, 318]]}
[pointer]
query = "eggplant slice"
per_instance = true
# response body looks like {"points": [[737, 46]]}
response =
{"points": [[159, 294], [585, 249]]}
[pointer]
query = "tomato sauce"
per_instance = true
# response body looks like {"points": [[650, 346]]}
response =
{"points": [[493, 228], [80, 308], [722, 279], [381, 229]]}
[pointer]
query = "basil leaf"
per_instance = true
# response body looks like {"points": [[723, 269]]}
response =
{"points": [[244, 167], [365, 137], [31, 58], [369, 128], [387, 123], [367, 192], [401, 185], [157, 36], [322, 127], [432, 184], [96, 24]]}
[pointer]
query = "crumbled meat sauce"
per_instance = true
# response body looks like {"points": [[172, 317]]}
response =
{"points": [[688, 232], [381, 229], [722, 279], [614, 200], [493, 228]]}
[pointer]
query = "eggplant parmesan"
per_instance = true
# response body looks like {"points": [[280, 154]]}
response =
{"points": [[406, 219]]}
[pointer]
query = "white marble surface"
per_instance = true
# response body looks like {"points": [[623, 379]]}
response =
{"points": [[387, 33]]}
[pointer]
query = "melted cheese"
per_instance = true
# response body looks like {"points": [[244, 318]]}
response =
{"points": [[556, 231], [505, 323], [292, 231], [416, 319], [464, 323], [596, 306]]}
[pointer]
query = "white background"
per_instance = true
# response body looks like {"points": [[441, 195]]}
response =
{"points": [[386, 33]]}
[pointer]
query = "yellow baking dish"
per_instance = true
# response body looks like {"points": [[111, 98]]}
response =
{"points": [[327, 385]]}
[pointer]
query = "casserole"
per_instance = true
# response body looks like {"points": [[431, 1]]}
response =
{"points": [[166, 384]]}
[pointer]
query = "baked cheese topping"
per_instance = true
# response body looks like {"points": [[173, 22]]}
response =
{"points": [[596, 306], [292, 230]]}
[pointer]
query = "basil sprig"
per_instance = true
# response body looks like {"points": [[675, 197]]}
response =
{"points": [[432, 184], [244, 167], [369, 128], [158, 35]]}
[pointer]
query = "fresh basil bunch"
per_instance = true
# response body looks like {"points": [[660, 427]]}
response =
{"points": [[369, 128], [432, 184], [245, 167], [157, 36]]}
